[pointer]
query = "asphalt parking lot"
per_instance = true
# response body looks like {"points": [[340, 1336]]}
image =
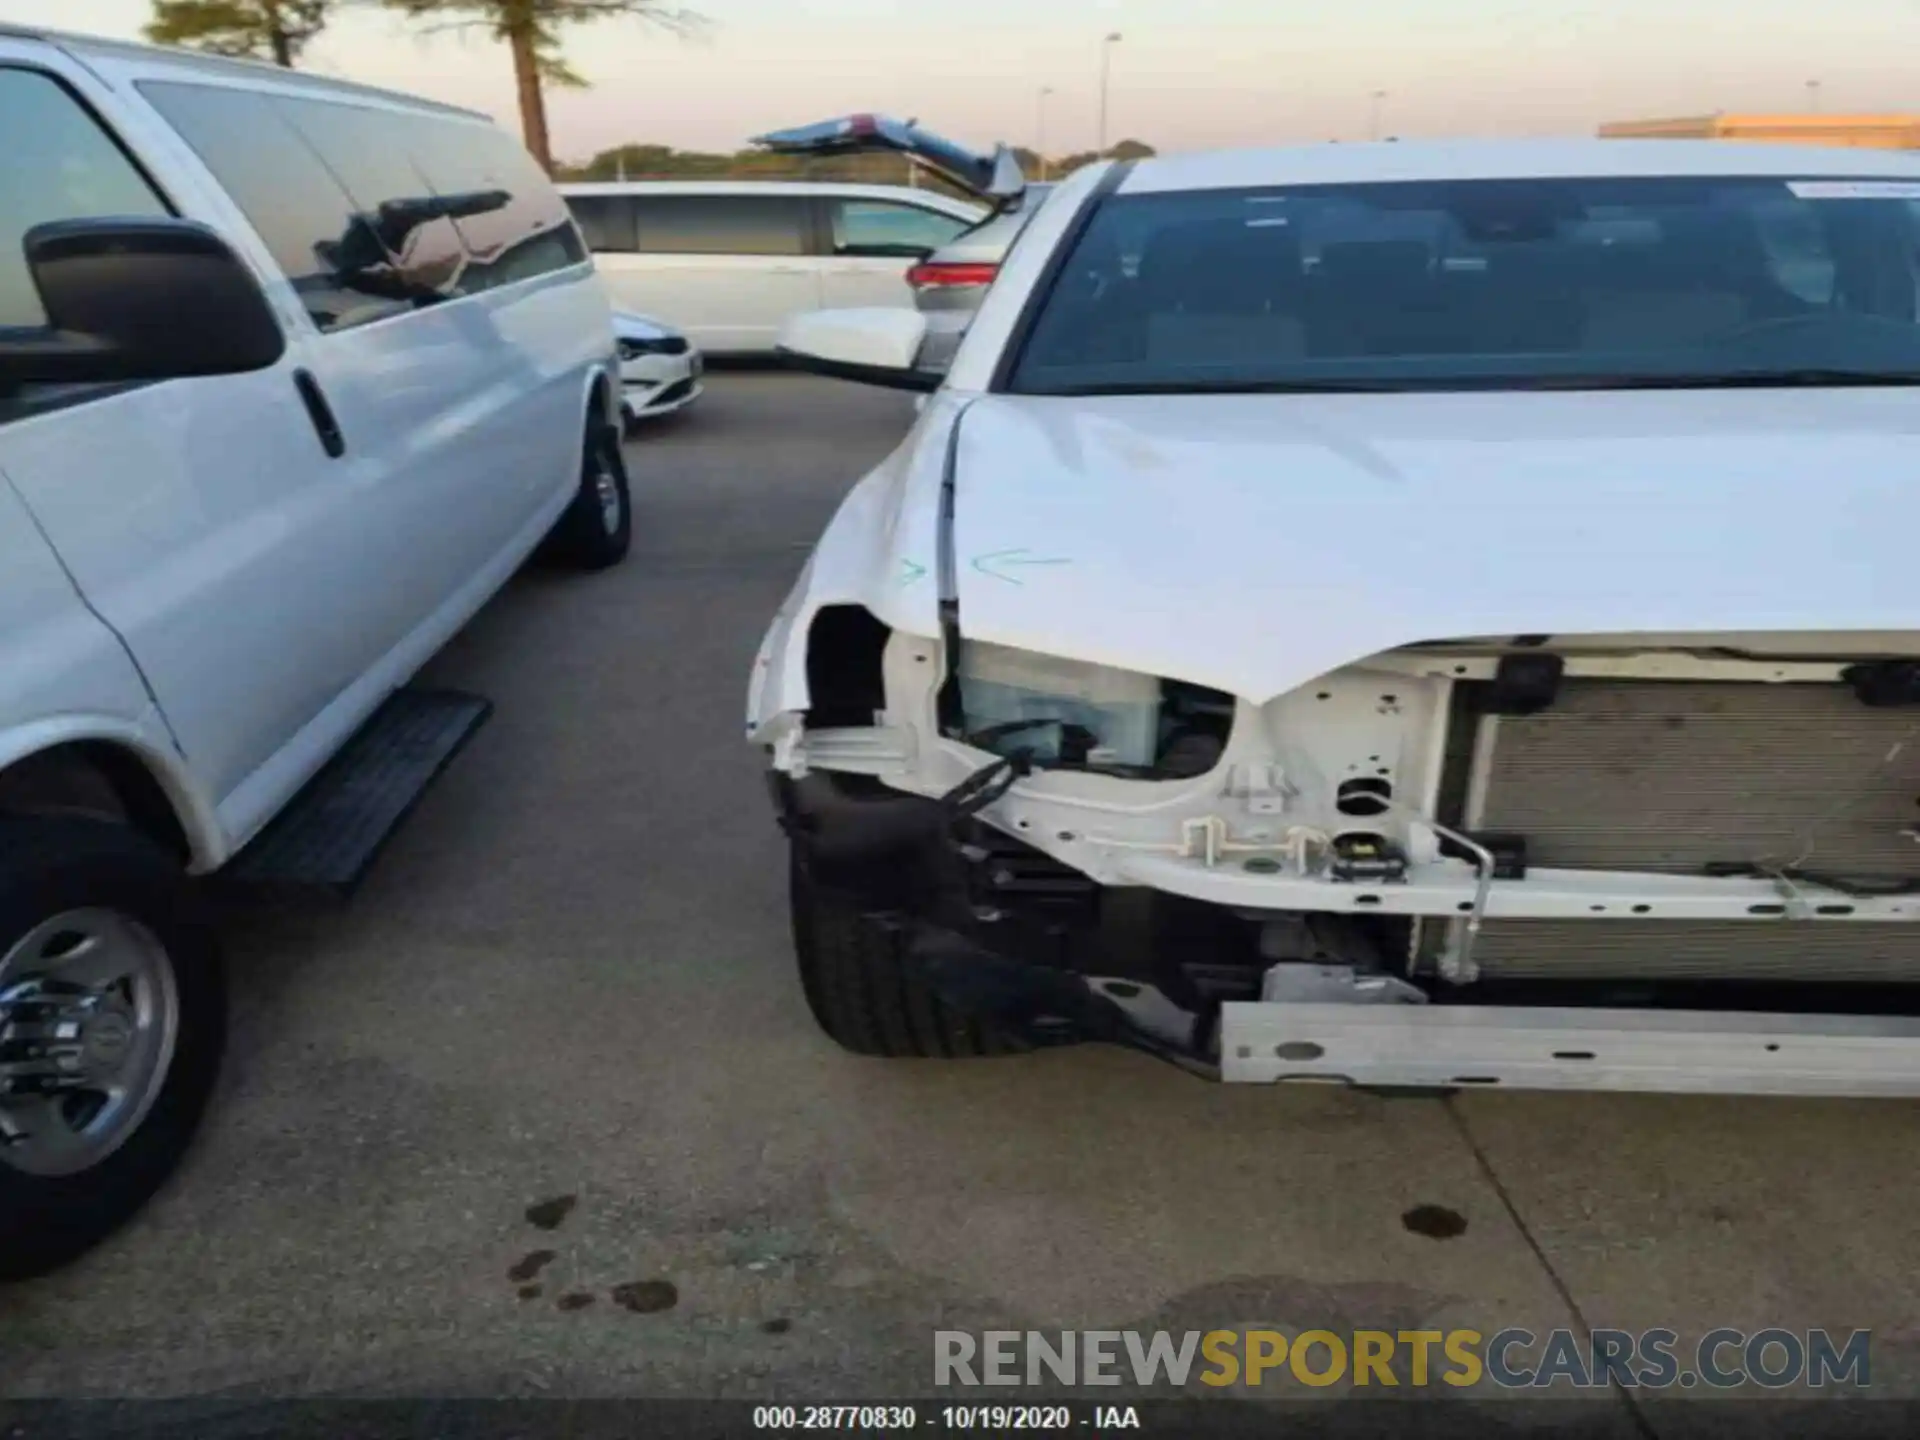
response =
{"points": [[568, 982]]}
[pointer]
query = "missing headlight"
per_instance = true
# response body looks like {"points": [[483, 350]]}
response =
{"points": [[1068, 714]]}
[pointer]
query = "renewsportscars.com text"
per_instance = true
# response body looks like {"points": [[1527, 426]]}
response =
{"points": [[1511, 1359]]}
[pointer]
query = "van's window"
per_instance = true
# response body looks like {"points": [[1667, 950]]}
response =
{"points": [[368, 150], [1585, 282], [609, 223], [723, 224], [307, 221], [514, 222], [880, 227], [62, 166]]}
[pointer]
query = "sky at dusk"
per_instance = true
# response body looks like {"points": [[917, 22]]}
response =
{"points": [[1185, 76]]}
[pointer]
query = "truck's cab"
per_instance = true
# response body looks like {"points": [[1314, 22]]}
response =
{"points": [[293, 375]]}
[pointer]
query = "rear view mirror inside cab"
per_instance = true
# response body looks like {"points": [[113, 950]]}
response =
{"points": [[139, 299], [1518, 215]]}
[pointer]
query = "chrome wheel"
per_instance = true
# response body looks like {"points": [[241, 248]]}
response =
{"points": [[89, 1017], [606, 489]]}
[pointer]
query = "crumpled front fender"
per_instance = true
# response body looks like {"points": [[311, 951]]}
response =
{"points": [[879, 551]]}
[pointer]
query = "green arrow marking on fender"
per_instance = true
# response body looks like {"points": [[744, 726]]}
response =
{"points": [[910, 572], [996, 563]]}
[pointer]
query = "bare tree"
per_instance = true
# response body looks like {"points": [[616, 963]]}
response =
{"points": [[532, 30], [275, 30]]}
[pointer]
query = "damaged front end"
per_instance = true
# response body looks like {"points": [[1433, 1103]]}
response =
{"points": [[1667, 862]]}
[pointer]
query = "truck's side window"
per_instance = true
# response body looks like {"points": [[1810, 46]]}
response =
{"points": [[513, 221], [368, 150], [61, 166], [723, 224], [306, 220]]}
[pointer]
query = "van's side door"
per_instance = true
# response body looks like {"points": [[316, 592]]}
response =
{"points": [[458, 391], [727, 269], [868, 245], [208, 522]]}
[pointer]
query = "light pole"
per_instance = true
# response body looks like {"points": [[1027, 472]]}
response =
{"points": [[1813, 96], [1040, 128], [1106, 70], [1376, 100]]}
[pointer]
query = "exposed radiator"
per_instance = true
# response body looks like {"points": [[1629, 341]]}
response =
{"points": [[1676, 775], [1808, 950]]}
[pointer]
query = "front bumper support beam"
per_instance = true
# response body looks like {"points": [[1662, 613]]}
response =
{"points": [[1526, 1048]]}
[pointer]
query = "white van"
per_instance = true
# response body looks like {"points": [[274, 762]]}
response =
{"points": [[293, 375], [728, 260]]}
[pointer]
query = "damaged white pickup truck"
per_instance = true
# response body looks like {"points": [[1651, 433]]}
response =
{"points": [[1415, 616]]}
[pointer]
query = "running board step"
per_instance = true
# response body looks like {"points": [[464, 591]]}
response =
{"points": [[332, 832], [1489, 1046]]}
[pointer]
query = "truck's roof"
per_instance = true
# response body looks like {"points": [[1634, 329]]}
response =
{"points": [[1384, 161], [83, 46]]}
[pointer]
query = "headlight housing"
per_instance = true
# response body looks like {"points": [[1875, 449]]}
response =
{"points": [[1072, 714]]}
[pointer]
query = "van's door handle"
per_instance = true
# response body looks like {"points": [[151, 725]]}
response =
{"points": [[791, 270], [321, 413]]}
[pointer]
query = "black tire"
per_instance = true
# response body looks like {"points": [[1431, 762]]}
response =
{"points": [[48, 866], [584, 538], [861, 990]]}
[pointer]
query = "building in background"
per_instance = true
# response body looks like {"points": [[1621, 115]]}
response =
{"points": [[1870, 132]]}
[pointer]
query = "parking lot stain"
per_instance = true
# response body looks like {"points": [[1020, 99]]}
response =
{"points": [[529, 1292], [1436, 1222], [573, 1300], [548, 1214], [529, 1265], [646, 1297], [779, 1325]]}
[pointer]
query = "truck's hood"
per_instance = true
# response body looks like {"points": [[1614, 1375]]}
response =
{"points": [[1254, 543]]}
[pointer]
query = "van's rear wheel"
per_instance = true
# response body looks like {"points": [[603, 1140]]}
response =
{"points": [[596, 530], [862, 991], [112, 1023]]}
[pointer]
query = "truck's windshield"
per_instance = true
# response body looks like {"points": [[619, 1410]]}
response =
{"points": [[1486, 283]]}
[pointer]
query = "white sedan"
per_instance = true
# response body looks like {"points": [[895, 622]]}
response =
{"points": [[1420, 615], [660, 371]]}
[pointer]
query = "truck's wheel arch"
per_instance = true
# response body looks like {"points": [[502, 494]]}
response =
{"points": [[110, 776], [602, 397]]}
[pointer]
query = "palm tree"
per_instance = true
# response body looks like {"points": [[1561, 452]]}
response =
{"points": [[532, 30], [275, 30]]}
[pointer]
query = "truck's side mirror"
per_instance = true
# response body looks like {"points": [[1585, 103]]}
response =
{"points": [[875, 346], [139, 299]]}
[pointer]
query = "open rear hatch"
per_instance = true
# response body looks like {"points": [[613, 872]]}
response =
{"points": [[994, 177]]}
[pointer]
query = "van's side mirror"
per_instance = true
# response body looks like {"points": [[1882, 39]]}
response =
{"points": [[139, 299], [877, 346]]}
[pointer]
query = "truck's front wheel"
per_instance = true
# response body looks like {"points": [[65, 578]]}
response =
{"points": [[860, 986], [112, 1023]]}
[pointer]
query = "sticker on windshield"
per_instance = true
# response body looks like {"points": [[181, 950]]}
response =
{"points": [[1855, 189]]}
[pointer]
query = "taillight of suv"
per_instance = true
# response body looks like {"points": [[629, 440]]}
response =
{"points": [[937, 275]]}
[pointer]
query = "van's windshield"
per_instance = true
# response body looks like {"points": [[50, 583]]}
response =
{"points": [[1575, 283]]}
